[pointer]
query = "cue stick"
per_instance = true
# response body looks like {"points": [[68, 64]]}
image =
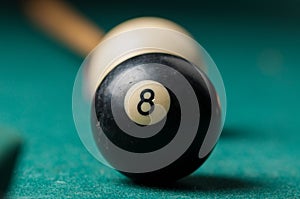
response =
{"points": [[63, 22]]}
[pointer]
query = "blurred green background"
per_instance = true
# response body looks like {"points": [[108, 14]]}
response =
{"points": [[255, 44]]}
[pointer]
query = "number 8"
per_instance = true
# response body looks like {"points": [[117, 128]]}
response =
{"points": [[146, 100]]}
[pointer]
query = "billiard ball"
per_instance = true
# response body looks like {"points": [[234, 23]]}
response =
{"points": [[141, 110], [149, 101]]}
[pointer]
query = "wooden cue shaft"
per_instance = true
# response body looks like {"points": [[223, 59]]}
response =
{"points": [[63, 22]]}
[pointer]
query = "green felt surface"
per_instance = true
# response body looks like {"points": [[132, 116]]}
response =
{"points": [[257, 155]]}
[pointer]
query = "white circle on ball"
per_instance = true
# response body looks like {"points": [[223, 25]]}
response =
{"points": [[152, 98]]}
